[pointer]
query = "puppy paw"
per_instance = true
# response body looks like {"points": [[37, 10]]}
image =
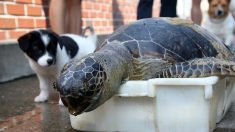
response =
{"points": [[41, 98], [60, 103]]}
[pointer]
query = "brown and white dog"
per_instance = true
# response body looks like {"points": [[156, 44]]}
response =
{"points": [[219, 20]]}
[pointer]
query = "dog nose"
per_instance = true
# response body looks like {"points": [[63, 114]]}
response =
{"points": [[49, 61], [220, 12]]}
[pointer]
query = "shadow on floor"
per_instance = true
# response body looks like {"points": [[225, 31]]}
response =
{"points": [[19, 113]]}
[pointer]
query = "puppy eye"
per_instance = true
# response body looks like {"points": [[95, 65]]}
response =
{"points": [[214, 5], [35, 48], [223, 5], [39, 52]]}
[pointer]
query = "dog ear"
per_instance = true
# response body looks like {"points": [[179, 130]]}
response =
{"points": [[209, 1], [228, 1], [24, 41]]}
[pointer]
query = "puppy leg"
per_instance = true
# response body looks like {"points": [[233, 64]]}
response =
{"points": [[229, 40], [44, 84], [60, 102]]}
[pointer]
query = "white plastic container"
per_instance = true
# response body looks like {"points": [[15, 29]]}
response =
{"points": [[162, 105]]}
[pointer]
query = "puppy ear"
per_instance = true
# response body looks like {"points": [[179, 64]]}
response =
{"points": [[24, 41], [228, 1]]}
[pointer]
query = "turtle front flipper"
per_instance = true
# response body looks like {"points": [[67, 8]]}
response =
{"points": [[143, 69], [201, 67]]}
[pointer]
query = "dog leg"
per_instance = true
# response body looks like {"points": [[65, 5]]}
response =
{"points": [[44, 85], [229, 40], [60, 102]]}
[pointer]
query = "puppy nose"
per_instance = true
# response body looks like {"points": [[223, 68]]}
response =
{"points": [[220, 12], [49, 61]]}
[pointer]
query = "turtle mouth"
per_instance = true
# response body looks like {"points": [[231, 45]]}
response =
{"points": [[76, 106], [78, 99]]}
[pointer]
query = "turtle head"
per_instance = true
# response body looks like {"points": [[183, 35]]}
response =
{"points": [[80, 85]]}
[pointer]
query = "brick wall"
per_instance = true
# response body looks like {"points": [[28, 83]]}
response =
{"points": [[20, 16]]}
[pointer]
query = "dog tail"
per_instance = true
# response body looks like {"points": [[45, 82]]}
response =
{"points": [[92, 35], [91, 28]]}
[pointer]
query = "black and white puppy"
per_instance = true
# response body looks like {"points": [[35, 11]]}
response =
{"points": [[48, 52]]}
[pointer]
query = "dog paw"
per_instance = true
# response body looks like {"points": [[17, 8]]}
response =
{"points": [[41, 98], [60, 103]]}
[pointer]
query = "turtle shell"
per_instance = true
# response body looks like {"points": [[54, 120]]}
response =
{"points": [[174, 40]]}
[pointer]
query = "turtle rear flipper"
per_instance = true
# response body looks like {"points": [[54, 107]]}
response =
{"points": [[202, 67]]}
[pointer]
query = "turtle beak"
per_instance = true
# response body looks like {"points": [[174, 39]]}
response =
{"points": [[75, 106]]}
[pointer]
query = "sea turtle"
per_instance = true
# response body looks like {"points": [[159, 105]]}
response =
{"points": [[148, 48]]}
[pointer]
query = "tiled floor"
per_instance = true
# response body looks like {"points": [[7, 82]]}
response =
{"points": [[18, 112]]}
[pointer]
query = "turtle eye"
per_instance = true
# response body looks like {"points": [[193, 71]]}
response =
{"points": [[55, 85]]}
